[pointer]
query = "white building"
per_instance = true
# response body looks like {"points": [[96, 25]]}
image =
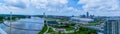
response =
{"points": [[81, 20]]}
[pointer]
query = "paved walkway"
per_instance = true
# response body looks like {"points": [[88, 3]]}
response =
{"points": [[47, 29]]}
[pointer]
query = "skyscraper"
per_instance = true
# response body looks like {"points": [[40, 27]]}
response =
{"points": [[112, 26], [87, 14]]}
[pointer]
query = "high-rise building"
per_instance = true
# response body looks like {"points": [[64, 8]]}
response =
{"points": [[112, 26], [87, 14]]}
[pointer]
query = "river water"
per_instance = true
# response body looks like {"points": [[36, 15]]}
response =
{"points": [[23, 26]]}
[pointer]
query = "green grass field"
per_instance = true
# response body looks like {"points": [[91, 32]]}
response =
{"points": [[43, 29]]}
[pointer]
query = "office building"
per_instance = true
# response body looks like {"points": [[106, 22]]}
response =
{"points": [[112, 26]]}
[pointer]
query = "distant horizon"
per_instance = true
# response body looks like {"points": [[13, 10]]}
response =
{"points": [[60, 15]]}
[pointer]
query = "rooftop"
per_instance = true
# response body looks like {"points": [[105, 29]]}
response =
{"points": [[82, 19]]}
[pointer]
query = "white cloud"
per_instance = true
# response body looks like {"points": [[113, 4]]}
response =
{"points": [[101, 7], [32, 6], [58, 7], [58, 1], [15, 10], [48, 3], [100, 4], [36, 3]]}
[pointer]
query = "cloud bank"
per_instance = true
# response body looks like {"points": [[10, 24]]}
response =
{"points": [[60, 7]]}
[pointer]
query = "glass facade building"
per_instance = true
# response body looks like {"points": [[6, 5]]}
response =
{"points": [[111, 26]]}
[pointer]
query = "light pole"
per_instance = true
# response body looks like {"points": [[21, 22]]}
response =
{"points": [[10, 22], [44, 17]]}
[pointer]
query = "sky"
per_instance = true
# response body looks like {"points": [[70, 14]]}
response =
{"points": [[61, 7]]}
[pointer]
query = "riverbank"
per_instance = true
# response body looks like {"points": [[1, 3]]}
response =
{"points": [[44, 29]]}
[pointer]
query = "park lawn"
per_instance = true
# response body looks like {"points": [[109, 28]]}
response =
{"points": [[43, 29], [49, 18], [50, 30], [83, 30], [1, 21], [69, 28], [93, 24]]}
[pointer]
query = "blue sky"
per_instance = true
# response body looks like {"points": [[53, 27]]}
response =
{"points": [[61, 7]]}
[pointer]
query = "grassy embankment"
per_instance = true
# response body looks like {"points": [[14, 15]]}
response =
{"points": [[44, 29]]}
